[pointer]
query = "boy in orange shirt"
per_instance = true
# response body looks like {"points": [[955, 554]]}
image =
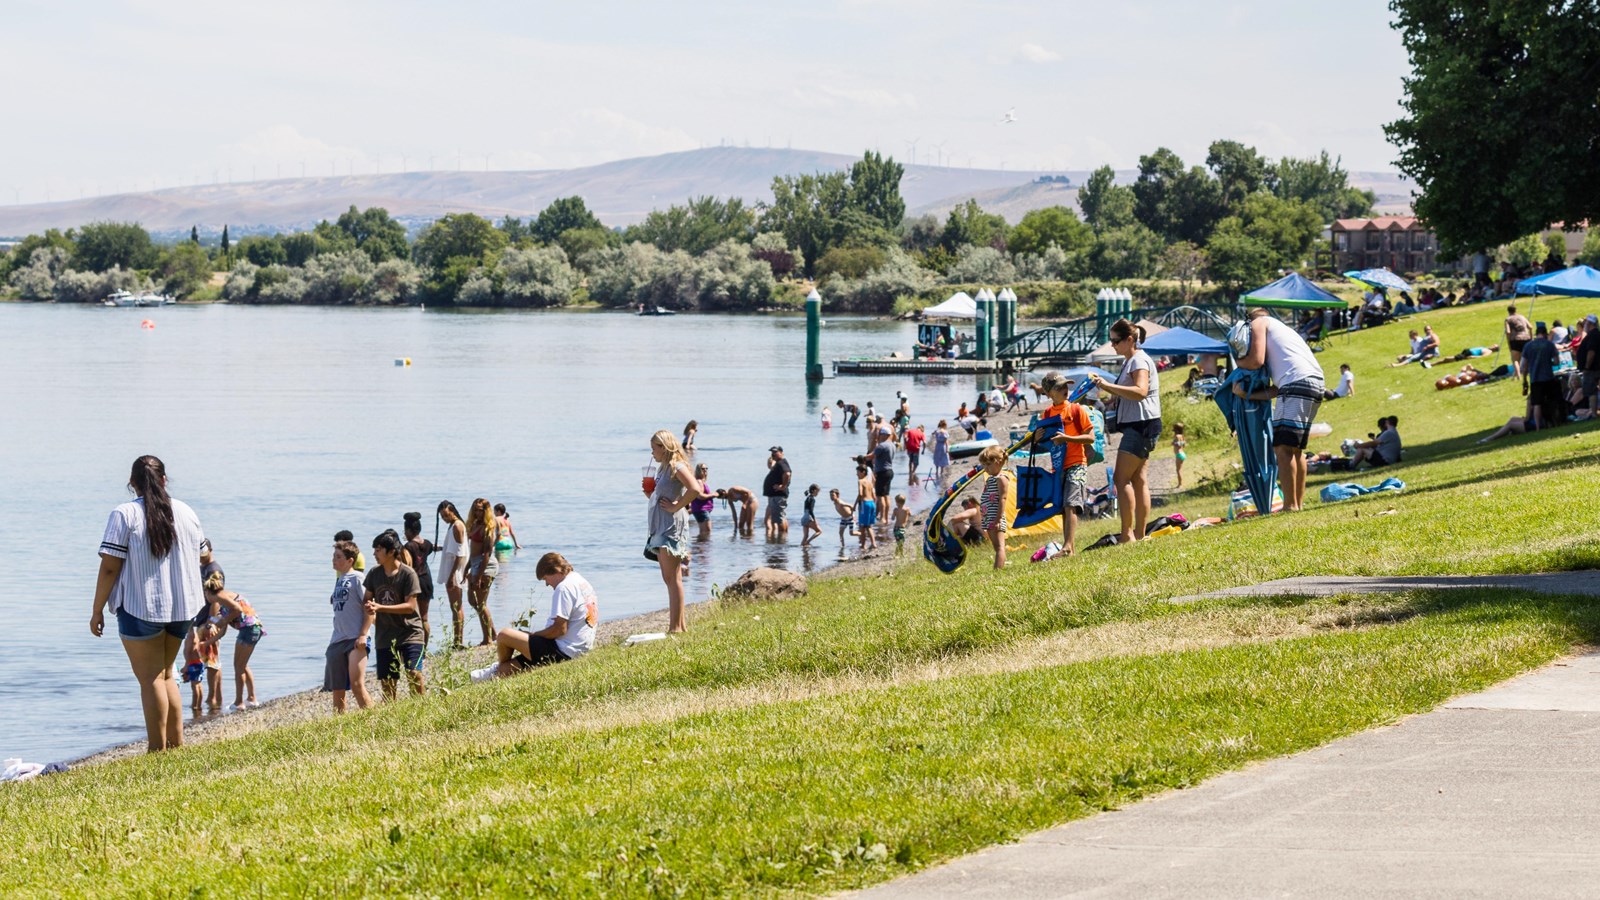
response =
{"points": [[1076, 434]]}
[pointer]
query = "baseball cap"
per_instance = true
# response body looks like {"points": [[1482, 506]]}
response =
{"points": [[1591, 318], [774, 449]]}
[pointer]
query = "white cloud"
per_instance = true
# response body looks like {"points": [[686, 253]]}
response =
{"points": [[1037, 54]]}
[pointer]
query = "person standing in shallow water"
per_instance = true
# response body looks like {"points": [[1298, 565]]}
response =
{"points": [[483, 532], [668, 543], [150, 578], [419, 548], [453, 566]]}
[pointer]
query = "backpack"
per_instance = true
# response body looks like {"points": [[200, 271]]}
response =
{"points": [[1096, 452]]}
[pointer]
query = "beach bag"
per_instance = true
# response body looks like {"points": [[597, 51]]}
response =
{"points": [[1109, 540]]}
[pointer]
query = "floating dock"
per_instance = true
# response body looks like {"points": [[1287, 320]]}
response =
{"points": [[921, 366]]}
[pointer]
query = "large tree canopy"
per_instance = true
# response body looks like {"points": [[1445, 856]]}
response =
{"points": [[1502, 125]]}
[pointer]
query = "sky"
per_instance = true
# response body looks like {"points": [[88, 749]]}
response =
{"points": [[106, 97]]}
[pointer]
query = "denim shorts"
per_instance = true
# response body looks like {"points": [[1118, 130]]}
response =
{"points": [[133, 628], [1139, 438]]}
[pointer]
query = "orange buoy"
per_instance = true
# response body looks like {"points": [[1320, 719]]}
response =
{"points": [[147, 325]]}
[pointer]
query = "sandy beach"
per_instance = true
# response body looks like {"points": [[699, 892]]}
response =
{"points": [[312, 704]]}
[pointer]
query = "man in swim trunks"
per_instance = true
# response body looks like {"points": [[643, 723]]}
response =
{"points": [[744, 519], [851, 412], [776, 489]]}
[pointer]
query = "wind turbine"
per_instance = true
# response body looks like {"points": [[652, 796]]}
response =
{"points": [[913, 146], [1009, 117], [938, 150]]}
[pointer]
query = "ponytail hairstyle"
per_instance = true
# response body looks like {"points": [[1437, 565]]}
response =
{"points": [[215, 582], [413, 526], [1122, 328], [149, 481], [446, 504]]}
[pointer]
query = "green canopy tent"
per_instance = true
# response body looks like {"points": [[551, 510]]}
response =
{"points": [[1293, 291]]}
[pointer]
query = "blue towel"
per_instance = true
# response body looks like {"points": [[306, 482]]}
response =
{"points": [[1335, 492], [1251, 421]]}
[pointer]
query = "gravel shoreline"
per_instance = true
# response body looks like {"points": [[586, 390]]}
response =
{"points": [[312, 704]]}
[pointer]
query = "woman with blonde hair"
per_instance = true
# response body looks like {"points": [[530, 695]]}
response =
{"points": [[483, 531], [668, 544]]}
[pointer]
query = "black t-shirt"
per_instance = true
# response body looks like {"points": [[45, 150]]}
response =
{"points": [[388, 590], [811, 506], [774, 485], [419, 548], [883, 457]]}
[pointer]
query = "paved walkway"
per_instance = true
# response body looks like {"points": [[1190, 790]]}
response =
{"points": [[1580, 582], [1496, 794]]}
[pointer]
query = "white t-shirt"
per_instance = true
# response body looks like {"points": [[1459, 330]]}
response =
{"points": [[155, 590], [1150, 406], [575, 601], [1347, 384], [1558, 334], [1289, 359]]}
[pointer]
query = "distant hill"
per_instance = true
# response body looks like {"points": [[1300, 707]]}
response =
{"points": [[620, 193]]}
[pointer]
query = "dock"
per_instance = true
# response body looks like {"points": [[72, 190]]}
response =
{"points": [[921, 366]]}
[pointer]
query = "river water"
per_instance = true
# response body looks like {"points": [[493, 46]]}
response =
{"points": [[283, 425]]}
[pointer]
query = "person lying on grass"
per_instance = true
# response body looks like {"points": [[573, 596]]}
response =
{"points": [[567, 634]]}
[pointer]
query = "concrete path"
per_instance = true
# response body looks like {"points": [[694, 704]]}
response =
{"points": [[1580, 582], [1496, 794]]}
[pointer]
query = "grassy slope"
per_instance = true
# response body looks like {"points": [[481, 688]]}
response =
{"points": [[778, 746]]}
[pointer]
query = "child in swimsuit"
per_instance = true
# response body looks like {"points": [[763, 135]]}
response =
{"points": [[902, 518], [1178, 443], [847, 516], [993, 501], [810, 530], [866, 508]]}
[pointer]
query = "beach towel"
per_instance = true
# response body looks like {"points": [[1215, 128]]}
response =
{"points": [[1251, 422], [1333, 493]]}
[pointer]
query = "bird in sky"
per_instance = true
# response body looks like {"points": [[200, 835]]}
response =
{"points": [[1010, 116]]}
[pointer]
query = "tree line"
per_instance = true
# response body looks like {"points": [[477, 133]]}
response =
{"points": [[1234, 220]]}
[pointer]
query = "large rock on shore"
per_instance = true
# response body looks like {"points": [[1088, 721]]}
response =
{"points": [[768, 584]]}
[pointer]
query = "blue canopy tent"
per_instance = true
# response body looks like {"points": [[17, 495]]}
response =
{"points": [[1293, 291], [1182, 342], [1578, 281]]}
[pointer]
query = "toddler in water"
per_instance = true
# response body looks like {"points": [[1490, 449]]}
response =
{"points": [[902, 518], [847, 517], [810, 530], [1178, 443], [993, 501]]}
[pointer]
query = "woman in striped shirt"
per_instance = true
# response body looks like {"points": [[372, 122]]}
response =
{"points": [[150, 577]]}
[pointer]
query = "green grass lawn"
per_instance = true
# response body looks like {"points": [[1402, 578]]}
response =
{"points": [[880, 724]]}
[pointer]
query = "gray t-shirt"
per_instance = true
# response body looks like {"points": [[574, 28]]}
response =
{"points": [[1389, 445], [394, 629], [348, 609], [1150, 406]]}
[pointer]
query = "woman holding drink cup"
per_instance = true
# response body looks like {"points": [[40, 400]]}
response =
{"points": [[671, 488]]}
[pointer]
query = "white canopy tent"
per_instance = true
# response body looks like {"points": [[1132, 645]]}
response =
{"points": [[959, 306]]}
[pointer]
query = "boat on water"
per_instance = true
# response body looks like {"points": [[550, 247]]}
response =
{"points": [[655, 311], [140, 299]]}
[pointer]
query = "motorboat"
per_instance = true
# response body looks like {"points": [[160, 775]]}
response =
{"points": [[140, 299], [655, 311]]}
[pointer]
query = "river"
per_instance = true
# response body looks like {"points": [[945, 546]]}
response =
{"points": [[283, 425]]}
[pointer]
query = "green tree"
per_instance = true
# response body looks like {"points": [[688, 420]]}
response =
{"points": [[1322, 182], [102, 245], [1177, 203], [1105, 203], [1240, 171], [1236, 259], [453, 249], [1500, 116], [1182, 262], [563, 215], [298, 249], [1556, 245], [1053, 226], [875, 189], [1524, 251], [22, 254], [194, 234], [516, 232], [1288, 227], [575, 242], [185, 268], [1591, 247], [696, 227], [969, 224], [374, 233], [262, 250], [805, 210], [1126, 252], [849, 262], [225, 243]]}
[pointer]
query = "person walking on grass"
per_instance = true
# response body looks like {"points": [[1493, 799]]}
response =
{"points": [[668, 544], [1518, 331], [344, 668], [1137, 391], [391, 590], [235, 611], [149, 578], [992, 502], [1297, 390]]}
